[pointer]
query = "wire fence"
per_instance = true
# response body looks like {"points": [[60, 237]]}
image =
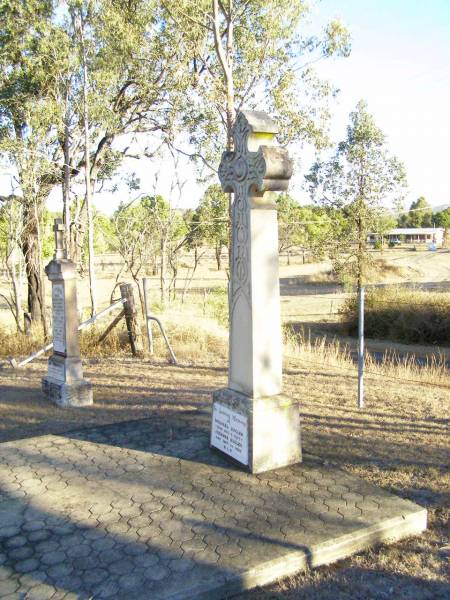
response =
{"points": [[374, 373], [328, 300]]}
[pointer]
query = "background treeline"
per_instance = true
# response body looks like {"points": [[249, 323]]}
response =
{"points": [[87, 85]]}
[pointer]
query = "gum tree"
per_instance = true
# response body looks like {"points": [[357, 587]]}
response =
{"points": [[355, 181], [250, 54], [33, 54], [137, 73]]}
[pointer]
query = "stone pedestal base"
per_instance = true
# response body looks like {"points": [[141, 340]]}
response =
{"points": [[78, 393], [259, 434]]}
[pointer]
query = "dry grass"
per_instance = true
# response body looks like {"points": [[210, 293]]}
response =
{"points": [[327, 276], [323, 352], [404, 315], [399, 441], [195, 329], [381, 270]]}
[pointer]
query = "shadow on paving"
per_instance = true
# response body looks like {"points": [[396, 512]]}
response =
{"points": [[136, 510], [42, 554], [38, 417]]}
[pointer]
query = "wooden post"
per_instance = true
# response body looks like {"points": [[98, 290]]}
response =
{"points": [[147, 313], [111, 327], [27, 323], [134, 335]]}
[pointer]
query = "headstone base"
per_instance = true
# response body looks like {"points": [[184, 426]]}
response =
{"points": [[78, 393], [258, 434]]}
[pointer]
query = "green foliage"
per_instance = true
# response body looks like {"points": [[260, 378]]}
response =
{"points": [[442, 219], [267, 62], [355, 182], [164, 219], [103, 233], [379, 245], [301, 226], [194, 237], [217, 305], [47, 234], [420, 215], [213, 217]]}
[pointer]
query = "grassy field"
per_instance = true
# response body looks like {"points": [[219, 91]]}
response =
{"points": [[310, 298], [399, 441], [405, 315]]}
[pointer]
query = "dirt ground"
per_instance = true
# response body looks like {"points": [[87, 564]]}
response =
{"points": [[399, 442]]}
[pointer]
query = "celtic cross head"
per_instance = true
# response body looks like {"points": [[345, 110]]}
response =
{"points": [[256, 164]]}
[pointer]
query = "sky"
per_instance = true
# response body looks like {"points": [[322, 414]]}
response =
{"points": [[399, 64]]}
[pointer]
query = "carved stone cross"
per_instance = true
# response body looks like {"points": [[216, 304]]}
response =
{"points": [[253, 170], [263, 425]]}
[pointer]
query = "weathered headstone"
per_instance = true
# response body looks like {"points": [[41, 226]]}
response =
{"points": [[64, 383], [252, 421]]}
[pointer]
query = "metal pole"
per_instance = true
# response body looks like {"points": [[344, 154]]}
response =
{"points": [[361, 347], [101, 314], [49, 346], [173, 358], [147, 313]]}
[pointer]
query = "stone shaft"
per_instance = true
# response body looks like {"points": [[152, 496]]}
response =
{"points": [[64, 383], [255, 332]]}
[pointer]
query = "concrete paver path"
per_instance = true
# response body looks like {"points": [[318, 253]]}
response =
{"points": [[145, 510]]}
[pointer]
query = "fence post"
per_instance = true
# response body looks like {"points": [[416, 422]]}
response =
{"points": [[361, 347], [27, 323], [147, 312], [134, 335]]}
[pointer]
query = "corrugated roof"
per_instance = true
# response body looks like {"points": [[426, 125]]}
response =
{"points": [[415, 230]]}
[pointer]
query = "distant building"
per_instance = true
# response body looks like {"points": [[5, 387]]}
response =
{"points": [[409, 235]]}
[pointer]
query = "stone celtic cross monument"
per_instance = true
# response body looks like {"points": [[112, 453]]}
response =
{"points": [[252, 421], [64, 383]]}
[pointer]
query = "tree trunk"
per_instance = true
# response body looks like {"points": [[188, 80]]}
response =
{"points": [[218, 252], [87, 178], [361, 251], [162, 270], [226, 56], [74, 251], [137, 281], [17, 294], [66, 183], [32, 255]]}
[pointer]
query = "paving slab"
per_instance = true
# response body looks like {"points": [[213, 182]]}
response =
{"points": [[145, 510]]}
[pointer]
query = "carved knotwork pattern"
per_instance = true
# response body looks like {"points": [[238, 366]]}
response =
{"points": [[239, 172]]}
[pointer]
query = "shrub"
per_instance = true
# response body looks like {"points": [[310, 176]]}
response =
{"points": [[217, 305], [409, 316]]}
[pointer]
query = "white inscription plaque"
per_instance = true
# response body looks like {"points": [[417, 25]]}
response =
{"points": [[59, 318], [56, 371], [229, 432]]}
